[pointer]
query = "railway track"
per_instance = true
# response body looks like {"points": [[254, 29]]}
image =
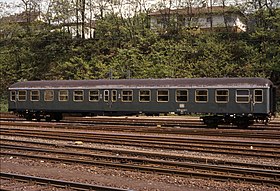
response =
{"points": [[183, 122], [218, 146], [38, 183], [150, 151], [260, 133], [217, 172], [99, 153], [164, 121]]}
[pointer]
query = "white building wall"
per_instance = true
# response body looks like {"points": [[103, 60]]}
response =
{"points": [[204, 22], [241, 25]]}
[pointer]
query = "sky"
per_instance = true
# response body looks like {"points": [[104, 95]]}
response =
{"points": [[9, 1], [20, 8], [7, 11]]}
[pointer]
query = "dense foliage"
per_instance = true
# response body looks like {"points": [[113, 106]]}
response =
{"points": [[128, 48]]}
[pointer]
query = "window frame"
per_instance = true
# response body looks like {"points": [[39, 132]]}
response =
{"points": [[13, 95], [106, 96], [216, 96], [60, 96], [196, 95], [176, 95], [32, 95], [95, 95], [75, 96], [242, 96], [52, 95], [19, 96], [158, 95], [258, 95], [129, 96], [149, 95], [114, 95]]}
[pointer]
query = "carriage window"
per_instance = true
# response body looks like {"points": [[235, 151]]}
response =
{"points": [[258, 96], [48, 95], [181, 95], [106, 95], [144, 95], [242, 96], [201, 96], [78, 95], [63, 95], [94, 95], [21, 95], [127, 95], [13, 96], [162, 95], [34, 95], [114, 95], [222, 96]]}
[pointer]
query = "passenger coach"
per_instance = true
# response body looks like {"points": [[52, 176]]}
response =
{"points": [[237, 101]]}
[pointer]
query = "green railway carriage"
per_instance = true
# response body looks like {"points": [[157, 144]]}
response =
{"points": [[238, 101]]}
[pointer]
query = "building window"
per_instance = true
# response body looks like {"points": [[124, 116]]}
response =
{"points": [[22, 95], [48, 95], [181, 20], [209, 19], [144, 95], [13, 95], [181, 95], [222, 96], [201, 96], [229, 19], [242, 96], [115, 2], [63, 95], [258, 96], [34, 95], [78, 95], [195, 20], [161, 21], [127, 95], [94, 95], [162, 95]]}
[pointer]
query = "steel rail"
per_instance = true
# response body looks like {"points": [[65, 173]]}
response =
{"points": [[166, 122], [68, 184], [154, 129], [144, 154], [136, 121], [133, 159], [128, 141], [172, 139], [221, 173]]}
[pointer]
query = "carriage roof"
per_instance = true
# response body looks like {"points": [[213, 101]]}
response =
{"points": [[145, 83]]}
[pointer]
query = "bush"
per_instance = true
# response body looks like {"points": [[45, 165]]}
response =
{"points": [[3, 105]]}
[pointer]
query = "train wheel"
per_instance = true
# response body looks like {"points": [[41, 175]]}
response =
{"points": [[212, 125], [243, 125], [28, 118], [212, 121], [243, 122], [48, 119], [58, 117]]}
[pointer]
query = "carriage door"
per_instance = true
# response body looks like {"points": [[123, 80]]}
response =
{"points": [[13, 99], [110, 97], [244, 101]]}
